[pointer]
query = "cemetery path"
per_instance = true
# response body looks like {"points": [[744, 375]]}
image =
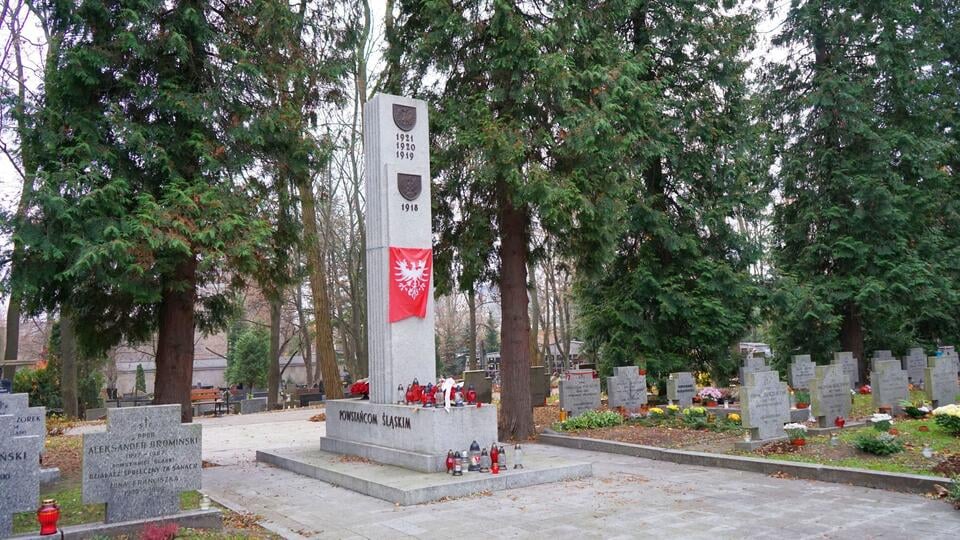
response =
{"points": [[627, 498]]}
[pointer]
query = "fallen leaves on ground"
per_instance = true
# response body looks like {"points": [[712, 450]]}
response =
{"points": [[322, 417], [782, 475], [241, 520]]}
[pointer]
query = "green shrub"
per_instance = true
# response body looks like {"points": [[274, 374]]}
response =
{"points": [[41, 384], [591, 420], [695, 417], [882, 444], [948, 422]]}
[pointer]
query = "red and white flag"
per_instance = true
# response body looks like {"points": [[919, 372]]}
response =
{"points": [[410, 270]]}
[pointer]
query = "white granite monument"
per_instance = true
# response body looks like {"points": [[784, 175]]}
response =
{"points": [[400, 306]]}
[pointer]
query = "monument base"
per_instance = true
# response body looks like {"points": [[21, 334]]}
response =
{"points": [[814, 431], [191, 519], [408, 436], [406, 487]]}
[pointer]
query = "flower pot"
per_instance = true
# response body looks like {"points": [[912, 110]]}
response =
{"points": [[893, 431], [798, 442], [643, 372], [923, 429], [803, 405], [711, 404]]}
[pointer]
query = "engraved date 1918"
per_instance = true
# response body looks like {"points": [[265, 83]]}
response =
{"points": [[410, 207], [405, 146]]}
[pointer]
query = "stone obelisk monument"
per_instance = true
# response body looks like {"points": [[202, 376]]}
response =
{"points": [[400, 305]]}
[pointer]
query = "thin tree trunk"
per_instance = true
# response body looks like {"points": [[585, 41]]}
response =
{"points": [[68, 366], [174, 375], [306, 343], [851, 338], [516, 412], [472, 333], [534, 312], [273, 368], [326, 356]]}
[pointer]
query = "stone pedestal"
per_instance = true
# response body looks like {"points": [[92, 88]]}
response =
{"points": [[409, 436]]}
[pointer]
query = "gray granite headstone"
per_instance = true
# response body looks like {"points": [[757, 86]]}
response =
{"points": [[539, 386], [681, 387], [627, 388], [801, 371], [142, 463], [915, 362], [19, 474], [941, 380], [29, 421], [752, 364], [765, 405], [878, 356], [579, 392], [889, 385], [851, 366], [830, 395], [253, 405]]}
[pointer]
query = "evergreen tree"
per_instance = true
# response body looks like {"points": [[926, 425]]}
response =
{"points": [[247, 361], [143, 219], [678, 292], [140, 383], [862, 233], [525, 123]]}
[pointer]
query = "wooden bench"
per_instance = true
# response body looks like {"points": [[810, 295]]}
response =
{"points": [[207, 396]]}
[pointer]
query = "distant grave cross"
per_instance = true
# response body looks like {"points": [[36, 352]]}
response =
{"points": [[830, 394], [681, 388], [19, 474], [28, 421], [941, 380], [915, 363], [142, 463], [851, 366], [801, 371], [889, 384], [765, 405], [627, 388]]}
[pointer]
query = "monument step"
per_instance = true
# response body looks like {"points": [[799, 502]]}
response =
{"points": [[405, 487]]}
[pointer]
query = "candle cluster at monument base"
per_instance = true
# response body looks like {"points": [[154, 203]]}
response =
{"points": [[480, 460], [435, 395]]}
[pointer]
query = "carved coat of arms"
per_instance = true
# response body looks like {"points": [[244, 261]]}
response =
{"points": [[404, 116], [409, 186]]}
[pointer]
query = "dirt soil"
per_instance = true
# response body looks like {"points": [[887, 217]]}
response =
{"points": [[949, 466], [663, 437], [65, 452]]}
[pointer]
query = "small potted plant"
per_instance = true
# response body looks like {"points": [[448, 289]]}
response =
{"points": [[948, 417], [797, 433], [802, 399], [709, 396]]}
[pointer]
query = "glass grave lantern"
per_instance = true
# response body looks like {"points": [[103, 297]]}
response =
{"points": [[517, 457], [485, 461], [474, 457]]}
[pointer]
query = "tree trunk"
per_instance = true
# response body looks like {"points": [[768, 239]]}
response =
{"points": [[516, 412], [273, 368], [326, 356], [306, 346], [68, 367], [174, 374], [534, 312], [851, 338], [472, 333]]}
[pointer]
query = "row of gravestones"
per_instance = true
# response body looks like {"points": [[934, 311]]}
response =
{"points": [[138, 466], [580, 390]]}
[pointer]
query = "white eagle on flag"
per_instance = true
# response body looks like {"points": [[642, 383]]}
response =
{"points": [[411, 276]]}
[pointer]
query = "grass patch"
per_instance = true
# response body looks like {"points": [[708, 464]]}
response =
{"points": [[74, 512]]}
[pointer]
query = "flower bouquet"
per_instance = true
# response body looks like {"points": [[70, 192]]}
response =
{"points": [[710, 395], [865, 389], [797, 433], [802, 399]]}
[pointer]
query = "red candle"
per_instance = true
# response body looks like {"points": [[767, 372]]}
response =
{"points": [[48, 515]]}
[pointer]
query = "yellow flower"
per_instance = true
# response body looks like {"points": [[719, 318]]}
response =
{"points": [[673, 407], [733, 417], [657, 411]]}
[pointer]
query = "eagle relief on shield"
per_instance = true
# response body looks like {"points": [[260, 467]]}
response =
{"points": [[408, 185], [404, 116]]}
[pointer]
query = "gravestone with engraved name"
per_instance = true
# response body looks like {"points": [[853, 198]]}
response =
{"points": [[830, 395], [851, 366], [765, 405], [915, 362], [752, 364], [28, 421], [681, 387], [19, 474], [142, 463], [889, 385], [579, 391], [802, 371], [941, 380], [880, 355], [627, 388]]}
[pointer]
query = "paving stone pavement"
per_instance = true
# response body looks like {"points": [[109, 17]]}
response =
{"points": [[627, 498]]}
